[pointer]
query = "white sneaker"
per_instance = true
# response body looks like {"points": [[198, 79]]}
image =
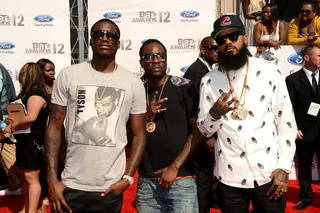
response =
{"points": [[15, 192]]}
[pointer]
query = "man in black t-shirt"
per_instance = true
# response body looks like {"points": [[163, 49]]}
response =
{"points": [[166, 183]]}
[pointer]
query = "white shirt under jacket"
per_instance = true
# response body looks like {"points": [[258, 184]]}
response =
{"points": [[249, 150]]}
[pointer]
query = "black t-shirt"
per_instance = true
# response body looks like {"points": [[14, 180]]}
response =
{"points": [[172, 126]]}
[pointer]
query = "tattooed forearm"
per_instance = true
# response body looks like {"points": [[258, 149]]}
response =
{"points": [[189, 148], [57, 112], [138, 143], [136, 153], [192, 144], [52, 147], [53, 140]]}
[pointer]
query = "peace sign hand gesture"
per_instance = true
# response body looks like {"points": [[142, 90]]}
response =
{"points": [[155, 106], [222, 105]]}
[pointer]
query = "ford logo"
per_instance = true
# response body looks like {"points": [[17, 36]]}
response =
{"points": [[43, 18], [296, 59], [189, 14], [184, 68], [112, 15], [6, 46], [144, 40]]}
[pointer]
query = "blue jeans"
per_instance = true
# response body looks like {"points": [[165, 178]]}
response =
{"points": [[182, 197]]}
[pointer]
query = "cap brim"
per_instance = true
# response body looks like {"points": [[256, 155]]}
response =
{"points": [[216, 32]]}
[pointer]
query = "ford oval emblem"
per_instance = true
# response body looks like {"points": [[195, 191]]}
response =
{"points": [[6, 45], [43, 18], [184, 68], [112, 15], [189, 14], [144, 40], [296, 59]]}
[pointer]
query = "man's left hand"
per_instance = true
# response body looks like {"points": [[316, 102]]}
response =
{"points": [[168, 176], [280, 184], [117, 188]]}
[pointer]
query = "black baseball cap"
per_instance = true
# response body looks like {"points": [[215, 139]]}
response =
{"points": [[226, 22]]}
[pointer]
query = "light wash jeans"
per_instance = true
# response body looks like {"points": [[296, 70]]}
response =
{"points": [[152, 198]]}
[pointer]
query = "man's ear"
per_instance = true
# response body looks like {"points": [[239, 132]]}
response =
{"points": [[202, 51], [141, 62], [306, 58], [245, 39]]}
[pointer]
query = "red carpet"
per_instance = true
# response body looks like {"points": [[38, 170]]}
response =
{"points": [[14, 204]]}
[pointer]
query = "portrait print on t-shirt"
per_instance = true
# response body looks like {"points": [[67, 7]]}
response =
{"points": [[97, 114]]}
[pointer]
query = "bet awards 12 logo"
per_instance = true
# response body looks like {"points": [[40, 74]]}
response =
{"points": [[126, 44], [152, 17], [14, 20], [185, 44], [45, 48]]}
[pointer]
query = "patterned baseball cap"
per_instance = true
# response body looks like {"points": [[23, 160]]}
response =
{"points": [[227, 22]]}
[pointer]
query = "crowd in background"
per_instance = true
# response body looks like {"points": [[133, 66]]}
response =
{"points": [[277, 23]]}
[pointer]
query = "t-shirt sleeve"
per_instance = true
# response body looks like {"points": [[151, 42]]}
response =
{"points": [[139, 105], [60, 90], [191, 99], [38, 92]]}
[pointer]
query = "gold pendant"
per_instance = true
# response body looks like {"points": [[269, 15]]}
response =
{"points": [[239, 114], [242, 113], [151, 126]]}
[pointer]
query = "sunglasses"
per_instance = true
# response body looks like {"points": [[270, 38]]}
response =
{"points": [[307, 12], [221, 40], [99, 35], [149, 58], [212, 47]]}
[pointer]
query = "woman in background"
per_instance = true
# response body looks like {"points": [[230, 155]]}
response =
{"points": [[30, 151], [305, 29], [48, 72], [270, 32]]}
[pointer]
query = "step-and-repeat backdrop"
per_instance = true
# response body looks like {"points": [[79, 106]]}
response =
{"points": [[179, 25], [34, 29]]}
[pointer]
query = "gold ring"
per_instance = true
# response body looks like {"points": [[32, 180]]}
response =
{"points": [[158, 111]]}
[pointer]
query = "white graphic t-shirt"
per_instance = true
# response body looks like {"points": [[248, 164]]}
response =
{"points": [[98, 108]]}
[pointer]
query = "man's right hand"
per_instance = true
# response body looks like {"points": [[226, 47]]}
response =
{"points": [[55, 194], [222, 105], [155, 106], [299, 135]]}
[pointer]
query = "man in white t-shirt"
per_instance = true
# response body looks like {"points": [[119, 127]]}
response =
{"points": [[95, 176]]}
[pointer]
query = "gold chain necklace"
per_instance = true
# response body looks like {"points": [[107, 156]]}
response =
{"points": [[240, 113], [151, 126], [98, 101]]}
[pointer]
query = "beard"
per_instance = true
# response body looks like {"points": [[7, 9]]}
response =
{"points": [[233, 62]]}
